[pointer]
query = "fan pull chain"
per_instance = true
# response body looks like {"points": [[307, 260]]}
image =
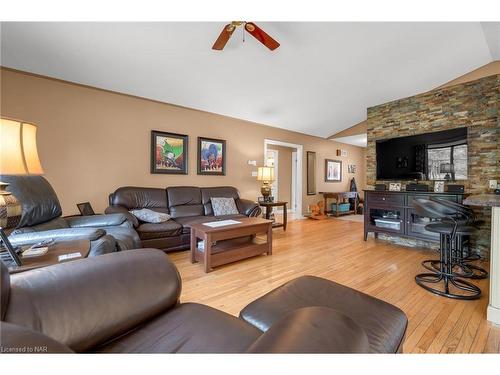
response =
{"points": [[244, 32]]}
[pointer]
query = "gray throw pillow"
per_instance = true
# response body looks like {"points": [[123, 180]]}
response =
{"points": [[224, 206], [150, 216]]}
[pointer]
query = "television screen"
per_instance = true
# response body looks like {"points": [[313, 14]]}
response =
{"points": [[430, 156]]}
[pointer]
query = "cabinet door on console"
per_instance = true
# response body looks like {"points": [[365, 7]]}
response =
{"points": [[387, 219]]}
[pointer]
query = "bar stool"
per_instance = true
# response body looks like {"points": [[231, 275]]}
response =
{"points": [[446, 225], [463, 256]]}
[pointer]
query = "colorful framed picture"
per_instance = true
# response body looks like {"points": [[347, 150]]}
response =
{"points": [[169, 153], [333, 170], [211, 156]]}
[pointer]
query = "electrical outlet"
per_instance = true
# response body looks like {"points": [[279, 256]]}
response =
{"points": [[493, 184], [254, 173], [252, 162]]}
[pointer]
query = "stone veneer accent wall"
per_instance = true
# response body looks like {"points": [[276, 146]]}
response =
{"points": [[475, 105]]}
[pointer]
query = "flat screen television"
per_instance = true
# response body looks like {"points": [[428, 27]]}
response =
{"points": [[429, 156]]}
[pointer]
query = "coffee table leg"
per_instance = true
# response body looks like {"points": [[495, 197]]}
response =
{"points": [[270, 239], [207, 252], [193, 246]]}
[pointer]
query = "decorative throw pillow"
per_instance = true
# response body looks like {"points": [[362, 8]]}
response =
{"points": [[224, 206], [150, 216]]}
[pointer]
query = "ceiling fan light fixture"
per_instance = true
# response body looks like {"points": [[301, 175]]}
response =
{"points": [[249, 27]]}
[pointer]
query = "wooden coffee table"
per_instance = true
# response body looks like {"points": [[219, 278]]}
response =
{"points": [[232, 242], [52, 255]]}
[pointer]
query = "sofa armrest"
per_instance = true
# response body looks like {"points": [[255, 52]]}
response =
{"points": [[124, 211], [248, 207], [313, 330], [96, 221], [66, 234], [17, 339]]}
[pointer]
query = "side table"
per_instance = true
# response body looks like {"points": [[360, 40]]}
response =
{"points": [[269, 209], [52, 255]]}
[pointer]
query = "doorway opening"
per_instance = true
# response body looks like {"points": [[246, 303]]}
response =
{"points": [[286, 158]]}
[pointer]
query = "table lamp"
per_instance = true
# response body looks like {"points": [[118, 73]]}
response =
{"points": [[447, 168], [18, 156], [266, 175]]}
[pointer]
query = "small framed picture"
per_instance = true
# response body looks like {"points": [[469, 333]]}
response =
{"points": [[333, 170], [211, 156], [395, 186], [351, 168], [85, 209], [439, 186]]}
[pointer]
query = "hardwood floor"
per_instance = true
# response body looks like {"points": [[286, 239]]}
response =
{"points": [[334, 249]]}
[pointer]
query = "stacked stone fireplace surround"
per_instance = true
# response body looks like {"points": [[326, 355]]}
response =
{"points": [[475, 105]]}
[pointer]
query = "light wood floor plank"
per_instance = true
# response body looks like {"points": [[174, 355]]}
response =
{"points": [[334, 249]]}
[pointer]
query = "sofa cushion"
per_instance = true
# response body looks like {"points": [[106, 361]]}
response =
{"points": [[57, 223], [150, 216], [182, 195], [188, 328], [384, 324], [168, 228], [140, 197], [38, 199], [147, 278], [216, 192], [186, 222], [184, 201]]}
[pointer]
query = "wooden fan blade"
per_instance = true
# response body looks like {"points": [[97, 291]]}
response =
{"points": [[261, 36], [224, 36]]}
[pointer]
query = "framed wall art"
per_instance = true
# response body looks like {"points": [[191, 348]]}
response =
{"points": [[169, 153], [333, 170], [211, 156]]}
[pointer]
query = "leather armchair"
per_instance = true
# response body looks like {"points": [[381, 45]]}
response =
{"points": [[41, 220], [128, 302]]}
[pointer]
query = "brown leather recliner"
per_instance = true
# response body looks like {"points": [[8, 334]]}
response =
{"points": [[185, 204], [128, 302]]}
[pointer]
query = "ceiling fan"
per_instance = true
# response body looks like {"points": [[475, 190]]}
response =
{"points": [[251, 28]]}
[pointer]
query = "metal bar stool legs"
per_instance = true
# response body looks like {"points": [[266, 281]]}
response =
{"points": [[446, 276], [464, 261]]}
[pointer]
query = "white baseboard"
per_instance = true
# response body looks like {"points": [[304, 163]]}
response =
{"points": [[493, 315]]}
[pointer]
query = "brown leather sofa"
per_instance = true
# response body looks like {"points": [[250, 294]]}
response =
{"points": [[128, 302], [185, 204]]}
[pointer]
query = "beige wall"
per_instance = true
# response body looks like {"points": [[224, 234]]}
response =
{"points": [[93, 141], [284, 172], [486, 70], [359, 128]]}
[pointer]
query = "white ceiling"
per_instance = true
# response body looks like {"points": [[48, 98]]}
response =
{"points": [[320, 81]]}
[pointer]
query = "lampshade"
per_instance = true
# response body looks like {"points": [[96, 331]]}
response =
{"points": [[18, 152], [446, 168], [265, 174]]}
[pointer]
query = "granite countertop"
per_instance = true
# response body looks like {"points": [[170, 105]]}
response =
{"points": [[488, 200]]}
